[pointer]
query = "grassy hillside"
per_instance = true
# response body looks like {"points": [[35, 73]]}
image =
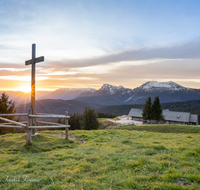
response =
{"points": [[164, 128], [101, 159]]}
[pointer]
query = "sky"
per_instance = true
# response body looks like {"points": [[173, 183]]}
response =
{"points": [[87, 43]]}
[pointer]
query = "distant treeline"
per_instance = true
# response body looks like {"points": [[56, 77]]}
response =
{"points": [[118, 109], [189, 106], [77, 121], [106, 115], [87, 120]]}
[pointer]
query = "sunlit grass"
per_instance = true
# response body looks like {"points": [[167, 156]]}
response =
{"points": [[163, 128], [109, 159]]}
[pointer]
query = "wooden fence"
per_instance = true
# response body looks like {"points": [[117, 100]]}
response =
{"points": [[29, 124]]}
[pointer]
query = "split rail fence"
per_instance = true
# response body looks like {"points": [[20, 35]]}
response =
{"points": [[32, 124]]}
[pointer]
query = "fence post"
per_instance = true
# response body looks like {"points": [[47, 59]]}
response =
{"points": [[29, 131], [66, 123]]}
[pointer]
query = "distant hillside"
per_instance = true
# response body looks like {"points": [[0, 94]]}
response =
{"points": [[67, 93], [23, 98], [118, 109], [56, 106], [189, 106]]}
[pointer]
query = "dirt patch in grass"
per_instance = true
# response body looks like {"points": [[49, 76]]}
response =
{"points": [[182, 181], [79, 140], [106, 124]]}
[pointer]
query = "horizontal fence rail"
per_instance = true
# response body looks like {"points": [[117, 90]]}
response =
{"points": [[20, 122], [50, 116], [46, 127], [15, 114], [12, 126]]}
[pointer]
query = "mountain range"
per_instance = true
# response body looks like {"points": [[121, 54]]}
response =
{"points": [[118, 95], [114, 95]]}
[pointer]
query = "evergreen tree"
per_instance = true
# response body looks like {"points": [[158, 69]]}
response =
{"points": [[147, 110], [6, 107], [90, 119], [157, 110], [74, 122]]}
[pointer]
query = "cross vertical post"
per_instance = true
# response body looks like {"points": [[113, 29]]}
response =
{"points": [[33, 61], [33, 87]]}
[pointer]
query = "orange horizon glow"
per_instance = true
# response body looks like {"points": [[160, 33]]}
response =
{"points": [[72, 83], [25, 90]]}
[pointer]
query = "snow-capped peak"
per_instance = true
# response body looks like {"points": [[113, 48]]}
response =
{"points": [[166, 85], [111, 89], [106, 86]]}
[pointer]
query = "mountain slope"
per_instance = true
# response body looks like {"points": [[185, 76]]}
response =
{"points": [[56, 106], [67, 93], [23, 98]]}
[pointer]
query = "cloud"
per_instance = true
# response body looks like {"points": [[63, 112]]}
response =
{"points": [[128, 68], [22, 78], [13, 69], [185, 51]]}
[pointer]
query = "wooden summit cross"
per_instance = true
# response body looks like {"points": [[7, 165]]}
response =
{"points": [[32, 62], [31, 124]]}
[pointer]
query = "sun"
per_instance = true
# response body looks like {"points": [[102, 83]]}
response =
{"points": [[24, 88]]}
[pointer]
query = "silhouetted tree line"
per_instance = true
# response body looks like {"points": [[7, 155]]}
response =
{"points": [[87, 121], [106, 115]]}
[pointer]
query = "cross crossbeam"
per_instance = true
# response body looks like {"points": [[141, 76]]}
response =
{"points": [[36, 60]]}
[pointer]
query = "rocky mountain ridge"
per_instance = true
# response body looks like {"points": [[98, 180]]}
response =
{"points": [[154, 85], [167, 91]]}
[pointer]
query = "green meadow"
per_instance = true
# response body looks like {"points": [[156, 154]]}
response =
{"points": [[101, 159]]}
